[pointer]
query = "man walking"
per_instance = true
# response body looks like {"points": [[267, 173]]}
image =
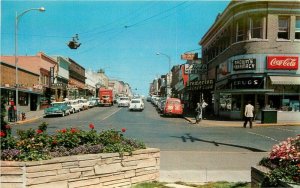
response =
{"points": [[198, 111], [249, 109]]}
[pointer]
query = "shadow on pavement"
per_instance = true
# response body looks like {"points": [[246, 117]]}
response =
{"points": [[188, 136]]}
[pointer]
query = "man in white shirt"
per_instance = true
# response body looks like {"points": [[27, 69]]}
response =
{"points": [[249, 109]]}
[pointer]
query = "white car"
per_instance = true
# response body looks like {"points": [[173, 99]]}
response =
{"points": [[123, 101], [136, 104], [75, 105], [84, 104]]}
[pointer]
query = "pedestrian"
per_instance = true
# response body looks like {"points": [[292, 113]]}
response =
{"points": [[198, 111], [204, 105], [249, 110]]}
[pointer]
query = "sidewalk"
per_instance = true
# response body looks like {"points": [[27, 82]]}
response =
{"points": [[30, 116], [232, 123]]}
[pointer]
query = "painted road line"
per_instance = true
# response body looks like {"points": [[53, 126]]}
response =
{"points": [[111, 114], [264, 136]]}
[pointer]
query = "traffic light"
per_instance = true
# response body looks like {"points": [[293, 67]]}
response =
{"points": [[73, 44]]}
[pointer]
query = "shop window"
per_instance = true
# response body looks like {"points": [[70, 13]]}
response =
{"points": [[236, 103], [240, 30], [297, 28], [225, 102], [283, 28], [23, 99], [256, 27]]}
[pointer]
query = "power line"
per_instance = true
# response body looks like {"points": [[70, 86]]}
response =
{"points": [[160, 13]]}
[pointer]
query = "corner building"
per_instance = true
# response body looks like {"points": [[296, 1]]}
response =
{"points": [[252, 51]]}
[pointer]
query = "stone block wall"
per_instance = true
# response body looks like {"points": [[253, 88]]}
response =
{"points": [[88, 171]]}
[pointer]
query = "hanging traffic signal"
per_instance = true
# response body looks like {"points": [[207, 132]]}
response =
{"points": [[73, 44]]}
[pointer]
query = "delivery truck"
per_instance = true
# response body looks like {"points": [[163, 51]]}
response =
{"points": [[106, 97]]}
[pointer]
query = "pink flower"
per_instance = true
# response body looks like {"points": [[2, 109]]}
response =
{"points": [[63, 130], [92, 126], [123, 130]]}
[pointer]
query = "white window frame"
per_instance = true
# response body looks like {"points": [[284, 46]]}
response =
{"points": [[284, 29], [252, 28], [243, 35], [297, 30]]}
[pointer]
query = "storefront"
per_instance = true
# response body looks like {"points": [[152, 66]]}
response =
{"points": [[267, 87]]}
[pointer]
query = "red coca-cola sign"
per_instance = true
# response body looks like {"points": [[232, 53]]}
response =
{"points": [[282, 62]]}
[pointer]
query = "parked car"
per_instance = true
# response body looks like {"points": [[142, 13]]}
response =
{"points": [[94, 102], [85, 104], [173, 106], [74, 104], [123, 102], [58, 108], [136, 104]]}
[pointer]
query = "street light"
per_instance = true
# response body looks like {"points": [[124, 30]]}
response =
{"points": [[41, 9], [169, 60]]}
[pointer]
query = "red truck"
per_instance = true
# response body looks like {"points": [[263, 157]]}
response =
{"points": [[106, 97]]}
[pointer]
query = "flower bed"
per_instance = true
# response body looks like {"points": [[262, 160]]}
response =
{"points": [[281, 168], [75, 158]]}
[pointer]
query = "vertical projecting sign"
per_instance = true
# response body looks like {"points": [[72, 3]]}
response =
{"points": [[51, 75]]}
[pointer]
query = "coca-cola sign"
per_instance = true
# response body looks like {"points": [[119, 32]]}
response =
{"points": [[282, 62]]}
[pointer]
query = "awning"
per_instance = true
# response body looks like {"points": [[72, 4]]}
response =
{"points": [[285, 80], [245, 91]]}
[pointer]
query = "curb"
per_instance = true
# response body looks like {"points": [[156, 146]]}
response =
{"points": [[239, 125], [25, 121]]}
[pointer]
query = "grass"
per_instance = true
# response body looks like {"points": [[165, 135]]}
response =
{"points": [[207, 185]]}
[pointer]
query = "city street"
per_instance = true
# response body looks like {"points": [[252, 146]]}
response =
{"points": [[210, 151]]}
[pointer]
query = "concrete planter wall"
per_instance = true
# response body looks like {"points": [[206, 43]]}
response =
{"points": [[258, 173], [90, 170]]}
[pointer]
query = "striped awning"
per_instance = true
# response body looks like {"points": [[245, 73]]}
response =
{"points": [[285, 80]]}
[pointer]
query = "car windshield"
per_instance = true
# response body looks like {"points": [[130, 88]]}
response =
{"points": [[135, 101], [174, 102], [57, 104]]}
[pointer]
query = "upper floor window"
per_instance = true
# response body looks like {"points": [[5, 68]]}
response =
{"points": [[283, 28], [240, 30], [297, 28], [256, 27]]}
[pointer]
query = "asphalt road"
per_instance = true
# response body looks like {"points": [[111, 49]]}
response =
{"points": [[189, 153], [172, 133]]}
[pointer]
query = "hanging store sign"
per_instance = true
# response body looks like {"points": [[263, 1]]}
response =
{"points": [[282, 62], [195, 68], [189, 56], [247, 83], [201, 85], [51, 75], [244, 64]]}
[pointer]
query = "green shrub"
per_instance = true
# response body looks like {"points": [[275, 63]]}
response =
{"points": [[31, 145]]}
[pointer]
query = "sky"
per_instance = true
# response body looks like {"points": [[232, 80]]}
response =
{"points": [[121, 37]]}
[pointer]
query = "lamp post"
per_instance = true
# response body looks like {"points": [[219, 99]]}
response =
{"points": [[41, 9], [168, 75]]}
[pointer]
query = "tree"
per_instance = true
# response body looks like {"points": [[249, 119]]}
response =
{"points": [[3, 114]]}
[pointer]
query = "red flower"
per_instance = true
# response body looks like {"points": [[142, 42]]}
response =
{"points": [[92, 126], [7, 127], [54, 142], [123, 130], [2, 134], [39, 131], [73, 130], [63, 130]]}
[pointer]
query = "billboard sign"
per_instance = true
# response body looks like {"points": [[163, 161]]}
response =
{"points": [[282, 62], [189, 56], [244, 64]]}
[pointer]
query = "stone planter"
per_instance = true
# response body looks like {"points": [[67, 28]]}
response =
{"points": [[90, 170], [258, 173]]}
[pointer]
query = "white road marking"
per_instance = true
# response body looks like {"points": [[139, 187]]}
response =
{"points": [[111, 114], [282, 129], [264, 136]]}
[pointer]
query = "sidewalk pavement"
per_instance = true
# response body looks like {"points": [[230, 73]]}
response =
{"points": [[30, 116]]}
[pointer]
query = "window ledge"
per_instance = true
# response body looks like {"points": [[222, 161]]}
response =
{"points": [[283, 40], [297, 40]]}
